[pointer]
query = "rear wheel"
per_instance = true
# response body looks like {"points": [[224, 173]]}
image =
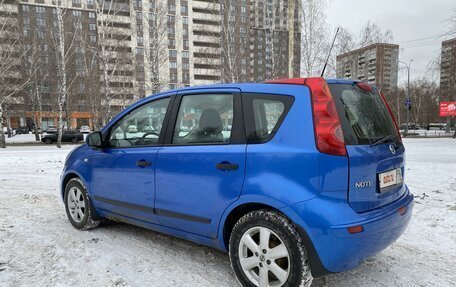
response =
{"points": [[78, 206], [266, 250], [48, 141], [74, 140]]}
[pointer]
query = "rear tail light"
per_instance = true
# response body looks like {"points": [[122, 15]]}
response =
{"points": [[328, 131], [392, 116]]}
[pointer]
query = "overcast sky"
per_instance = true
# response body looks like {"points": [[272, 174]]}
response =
{"points": [[409, 20]]}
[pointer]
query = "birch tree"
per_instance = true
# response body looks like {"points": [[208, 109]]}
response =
{"points": [[63, 47], [315, 40], [10, 83], [35, 72], [109, 40], [371, 33], [158, 47]]}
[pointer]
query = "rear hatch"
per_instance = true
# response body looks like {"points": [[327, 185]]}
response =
{"points": [[374, 148]]}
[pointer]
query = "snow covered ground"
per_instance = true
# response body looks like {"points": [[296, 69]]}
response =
{"points": [[39, 247]]}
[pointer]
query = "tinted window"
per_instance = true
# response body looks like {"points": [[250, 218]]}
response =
{"points": [[264, 115], [204, 119], [141, 127], [363, 115]]}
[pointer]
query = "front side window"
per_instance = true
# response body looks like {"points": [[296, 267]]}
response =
{"points": [[204, 119], [264, 115], [141, 127]]}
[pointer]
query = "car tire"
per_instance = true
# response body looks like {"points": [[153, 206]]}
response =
{"points": [[48, 141], [262, 265], [74, 140], [78, 206]]}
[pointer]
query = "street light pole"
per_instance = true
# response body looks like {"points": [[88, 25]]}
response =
{"points": [[408, 94]]}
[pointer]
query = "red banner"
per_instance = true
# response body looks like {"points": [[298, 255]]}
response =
{"points": [[447, 109]]}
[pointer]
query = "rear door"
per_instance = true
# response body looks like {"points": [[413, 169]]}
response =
{"points": [[375, 150], [200, 170]]}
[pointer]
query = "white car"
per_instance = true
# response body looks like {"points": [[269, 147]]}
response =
{"points": [[84, 129]]}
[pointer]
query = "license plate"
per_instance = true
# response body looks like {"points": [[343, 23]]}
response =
{"points": [[390, 178]]}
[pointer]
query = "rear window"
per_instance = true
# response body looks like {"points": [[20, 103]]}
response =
{"points": [[363, 115]]}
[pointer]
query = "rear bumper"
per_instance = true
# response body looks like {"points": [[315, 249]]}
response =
{"points": [[324, 221]]}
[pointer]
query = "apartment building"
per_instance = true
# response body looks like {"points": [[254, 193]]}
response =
{"points": [[376, 64], [448, 68], [122, 50]]}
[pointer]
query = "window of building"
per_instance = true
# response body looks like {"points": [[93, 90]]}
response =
{"points": [[92, 27], [77, 13], [172, 8], [25, 8], [92, 15], [185, 54], [185, 20], [93, 38], [172, 53], [184, 9], [139, 51], [173, 64]]}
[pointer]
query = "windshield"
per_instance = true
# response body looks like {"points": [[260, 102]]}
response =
{"points": [[364, 117]]}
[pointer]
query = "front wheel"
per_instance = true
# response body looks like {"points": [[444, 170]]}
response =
{"points": [[78, 206], [266, 250]]}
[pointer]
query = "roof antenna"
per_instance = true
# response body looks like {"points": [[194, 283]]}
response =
{"points": [[330, 50]]}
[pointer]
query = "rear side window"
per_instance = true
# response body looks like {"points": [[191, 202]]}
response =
{"points": [[363, 115], [264, 114]]}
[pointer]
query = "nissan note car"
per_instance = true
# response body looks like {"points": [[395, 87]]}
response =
{"points": [[294, 178]]}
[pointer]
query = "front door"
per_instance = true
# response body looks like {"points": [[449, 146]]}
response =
{"points": [[123, 180], [200, 170]]}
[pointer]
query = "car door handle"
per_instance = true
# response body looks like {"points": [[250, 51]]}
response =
{"points": [[227, 166], [143, 163]]}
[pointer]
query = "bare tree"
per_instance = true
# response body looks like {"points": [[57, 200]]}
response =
{"points": [[157, 54], [371, 33], [315, 40], [10, 83], [110, 40], [63, 46], [35, 72]]}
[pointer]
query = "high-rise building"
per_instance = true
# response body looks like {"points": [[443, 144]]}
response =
{"points": [[376, 64], [448, 69], [119, 51]]}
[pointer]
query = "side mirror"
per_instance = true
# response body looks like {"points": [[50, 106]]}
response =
{"points": [[94, 139]]}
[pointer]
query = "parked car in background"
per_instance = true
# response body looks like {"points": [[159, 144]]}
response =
{"points": [[294, 178], [22, 130], [436, 126], [67, 136], [5, 130], [51, 130], [84, 129]]}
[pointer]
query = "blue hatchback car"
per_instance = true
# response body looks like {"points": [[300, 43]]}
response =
{"points": [[295, 178]]}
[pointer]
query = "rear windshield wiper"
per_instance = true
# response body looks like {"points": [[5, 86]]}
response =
{"points": [[383, 140]]}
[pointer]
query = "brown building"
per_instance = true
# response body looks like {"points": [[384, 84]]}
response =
{"points": [[126, 50], [376, 64], [448, 70]]}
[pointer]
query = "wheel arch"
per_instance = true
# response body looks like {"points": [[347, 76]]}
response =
{"points": [[238, 209], [69, 176]]}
